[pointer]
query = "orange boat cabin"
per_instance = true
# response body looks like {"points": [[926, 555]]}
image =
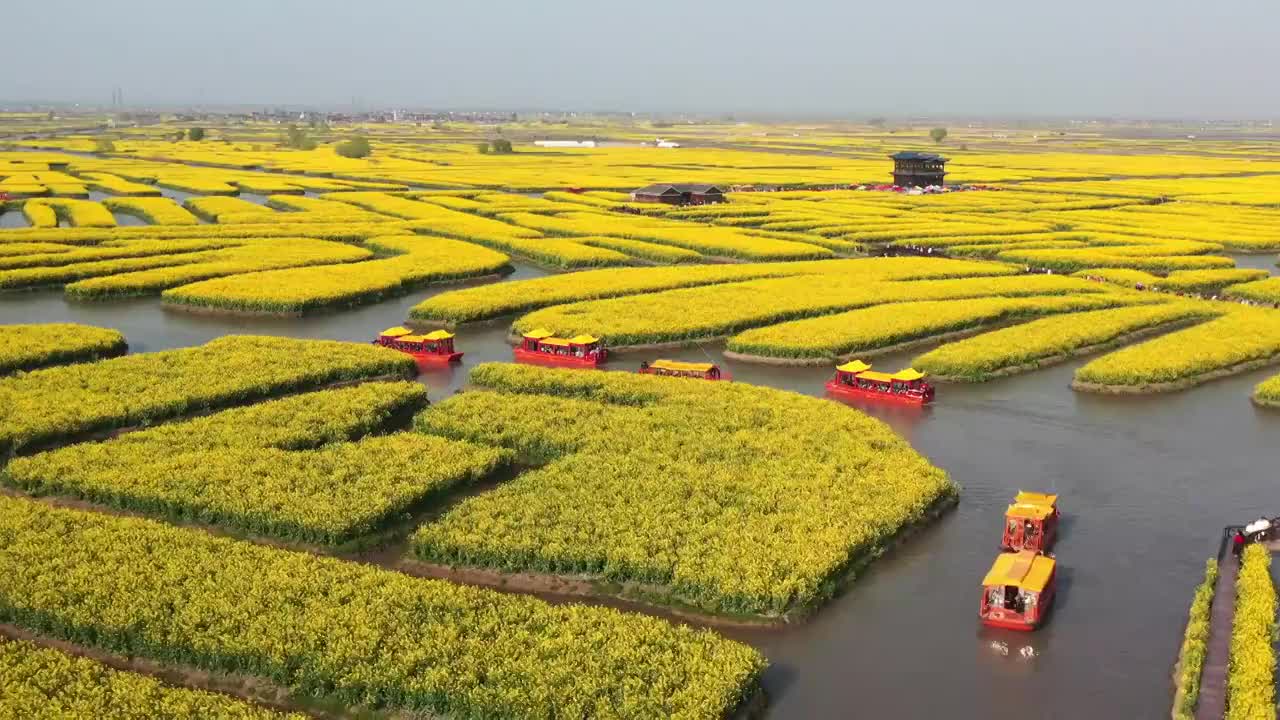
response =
{"points": [[1031, 523], [433, 347], [675, 368], [1017, 591], [541, 346], [856, 379]]}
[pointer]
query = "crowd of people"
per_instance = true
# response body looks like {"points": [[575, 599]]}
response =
{"points": [[1259, 530], [1191, 295]]}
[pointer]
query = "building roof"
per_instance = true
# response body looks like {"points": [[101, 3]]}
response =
{"points": [[1026, 570], [656, 189], [667, 188], [917, 155]]}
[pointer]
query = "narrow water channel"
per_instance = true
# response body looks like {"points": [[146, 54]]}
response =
{"points": [[1146, 485]]}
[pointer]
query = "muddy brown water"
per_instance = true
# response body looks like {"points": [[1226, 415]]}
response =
{"points": [[1146, 483]]}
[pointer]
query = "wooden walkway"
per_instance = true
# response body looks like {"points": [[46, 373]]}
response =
{"points": [[1213, 680]]}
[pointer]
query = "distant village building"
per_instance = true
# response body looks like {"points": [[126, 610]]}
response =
{"points": [[918, 169], [565, 143], [679, 194]]}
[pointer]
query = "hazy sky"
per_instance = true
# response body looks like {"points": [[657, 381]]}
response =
{"points": [[1186, 58]]}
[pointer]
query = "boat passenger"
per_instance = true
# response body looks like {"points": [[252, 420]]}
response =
{"points": [[1237, 543]]}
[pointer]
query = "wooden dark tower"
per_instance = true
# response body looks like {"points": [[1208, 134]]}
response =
{"points": [[918, 169]]}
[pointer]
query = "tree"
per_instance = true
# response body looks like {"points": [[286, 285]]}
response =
{"points": [[296, 138], [482, 148], [357, 147], [938, 134], [178, 136], [195, 133], [877, 122], [502, 146], [104, 145]]}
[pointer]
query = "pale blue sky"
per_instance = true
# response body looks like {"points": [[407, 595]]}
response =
{"points": [[1186, 58]]}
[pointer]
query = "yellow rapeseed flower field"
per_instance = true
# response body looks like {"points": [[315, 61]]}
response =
{"points": [[302, 468], [27, 347], [351, 633], [727, 497], [1251, 687], [138, 389], [45, 683]]}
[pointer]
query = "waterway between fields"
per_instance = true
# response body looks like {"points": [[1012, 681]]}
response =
{"points": [[1146, 485]]}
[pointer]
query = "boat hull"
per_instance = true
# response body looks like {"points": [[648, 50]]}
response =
{"points": [[570, 361], [436, 358], [999, 618], [1009, 624], [850, 391], [725, 377]]}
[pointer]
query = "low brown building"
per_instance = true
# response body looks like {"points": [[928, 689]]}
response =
{"points": [[918, 169], [679, 194]]}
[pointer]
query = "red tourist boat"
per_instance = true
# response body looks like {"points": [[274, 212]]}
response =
{"points": [[433, 348], [541, 346], [1031, 523], [1018, 590], [675, 368], [856, 379]]}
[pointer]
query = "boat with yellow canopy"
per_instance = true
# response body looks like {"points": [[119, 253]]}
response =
{"points": [[677, 368], [1018, 590], [542, 346], [856, 379], [433, 348], [1031, 522]]}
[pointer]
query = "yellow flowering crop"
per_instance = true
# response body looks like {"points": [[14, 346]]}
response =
{"points": [[728, 497], [44, 683], [350, 633], [828, 337], [295, 468], [1242, 336], [715, 310], [421, 260], [482, 303], [1251, 687], [26, 347], [157, 210], [1195, 646], [61, 402], [1028, 345], [256, 257]]}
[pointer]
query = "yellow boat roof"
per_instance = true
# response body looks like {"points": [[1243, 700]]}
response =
{"points": [[1035, 498], [554, 341], [853, 366], [583, 339], [872, 375], [438, 335], [1026, 570], [1028, 511], [678, 366], [539, 334], [397, 331], [412, 338], [908, 375]]}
